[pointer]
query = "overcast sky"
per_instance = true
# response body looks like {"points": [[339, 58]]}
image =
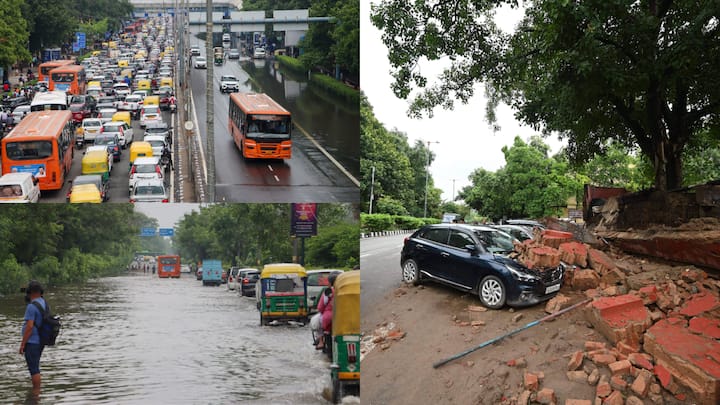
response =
{"points": [[460, 150], [167, 215]]}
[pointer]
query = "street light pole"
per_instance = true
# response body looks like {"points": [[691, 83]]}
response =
{"points": [[372, 189], [427, 174], [453, 194], [210, 106]]}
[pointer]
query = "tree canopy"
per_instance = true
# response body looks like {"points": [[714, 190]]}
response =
{"points": [[641, 74], [13, 33]]}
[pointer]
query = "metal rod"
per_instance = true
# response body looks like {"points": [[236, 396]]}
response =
{"points": [[497, 339]]}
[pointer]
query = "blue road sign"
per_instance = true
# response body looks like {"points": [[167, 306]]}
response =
{"points": [[167, 232], [147, 232], [80, 39]]}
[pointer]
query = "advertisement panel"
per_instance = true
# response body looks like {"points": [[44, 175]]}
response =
{"points": [[304, 219]]}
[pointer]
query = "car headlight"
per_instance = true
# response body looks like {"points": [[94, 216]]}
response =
{"points": [[519, 275]]}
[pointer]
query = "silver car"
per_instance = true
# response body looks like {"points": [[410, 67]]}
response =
{"points": [[150, 190], [317, 281]]}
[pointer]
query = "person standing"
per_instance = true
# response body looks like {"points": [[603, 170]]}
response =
{"points": [[30, 345]]}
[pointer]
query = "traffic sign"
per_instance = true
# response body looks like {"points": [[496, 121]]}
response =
{"points": [[80, 39], [167, 232], [147, 232]]}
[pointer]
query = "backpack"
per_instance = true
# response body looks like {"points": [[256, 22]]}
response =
{"points": [[49, 328]]}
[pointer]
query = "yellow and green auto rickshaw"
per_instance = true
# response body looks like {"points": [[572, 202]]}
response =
{"points": [[345, 367], [96, 162], [85, 193], [281, 293], [139, 149]]}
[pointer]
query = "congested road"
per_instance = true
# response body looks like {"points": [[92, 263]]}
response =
{"points": [[308, 176]]}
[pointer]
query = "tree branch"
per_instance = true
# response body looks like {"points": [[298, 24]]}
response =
{"points": [[634, 125], [608, 41]]}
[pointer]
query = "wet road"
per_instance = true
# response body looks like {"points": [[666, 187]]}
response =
{"points": [[140, 339], [309, 175]]}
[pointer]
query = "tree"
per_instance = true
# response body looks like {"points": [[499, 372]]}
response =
{"points": [[642, 73], [13, 34], [51, 22], [618, 167]]}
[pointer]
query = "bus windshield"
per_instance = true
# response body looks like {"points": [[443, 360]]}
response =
{"points": [[272, 126], [63, 77], [168, 260], [28, 150]]}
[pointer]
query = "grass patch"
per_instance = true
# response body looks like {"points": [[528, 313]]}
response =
{"points": [[330, 85], [291, 63]]}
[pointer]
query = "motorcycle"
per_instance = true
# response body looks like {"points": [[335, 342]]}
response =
{"points": [[166, 160]]}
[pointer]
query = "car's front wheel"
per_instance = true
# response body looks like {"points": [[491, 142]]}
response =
{"points": [[492, 292], [411, 272]]}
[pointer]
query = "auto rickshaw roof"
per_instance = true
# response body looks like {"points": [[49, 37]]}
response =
{"points": [[83, 193], [283, 268], [346, 305]]}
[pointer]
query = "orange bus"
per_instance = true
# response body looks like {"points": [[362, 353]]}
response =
{"points": [[168, 266], [260, 126], [69, 78], [42, 144], [45, 68]]}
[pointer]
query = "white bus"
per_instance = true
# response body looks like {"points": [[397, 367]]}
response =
{"points": [[49, 100]]}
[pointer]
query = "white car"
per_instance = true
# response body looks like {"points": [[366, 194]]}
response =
{"points": [[232, 278], [19, 113], [229, 83], [121, 89], [21, 187], [157, 142], [317, 281], [151, 190], [132, 103], [200, 62], [91, 128], [126, 136], [144, 168], [259, 53], [149, 113], [106, 114]]}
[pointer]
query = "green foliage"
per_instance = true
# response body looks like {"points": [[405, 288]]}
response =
{"points": [[62, 243], [702, 158], [336, 246], [14, 34], [530, 185], [618, 167], [291, 63], [388, 205], [376, 222], [642, 74], [407, 222], [332, 86]]}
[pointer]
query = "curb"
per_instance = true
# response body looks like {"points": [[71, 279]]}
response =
{"points": [[364, 235]]}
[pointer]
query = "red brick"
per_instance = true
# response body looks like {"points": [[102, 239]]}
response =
{"points": [[600, 262], [617, 383], [642, 382], [585, 280], [554, 238], [615, 398], [633, 400], [524, 398], [621, 318], [626, 349], [543, 257], [592, 293], [530, 382], [546, 396], [557, 303], [578, 402], [577, 376], [603, 389], [706, 327], [693, 275], [603, 359], [574, 253], [648, 294], [591, 345], [687, 358], [576, 360], [699, 303], [621, 367], [613, 277], [640, 360]]}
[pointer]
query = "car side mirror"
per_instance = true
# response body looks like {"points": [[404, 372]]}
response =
{"points": [[471, 248]]}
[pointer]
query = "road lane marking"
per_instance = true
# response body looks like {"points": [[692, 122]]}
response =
{"points": [[276, 178], [270, 168], [327, 155]]}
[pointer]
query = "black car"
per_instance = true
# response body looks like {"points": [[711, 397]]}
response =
{"points": [[247, 278], [471, 258]]}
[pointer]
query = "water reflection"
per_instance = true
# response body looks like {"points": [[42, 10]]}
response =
{"points": [[140, 339]]}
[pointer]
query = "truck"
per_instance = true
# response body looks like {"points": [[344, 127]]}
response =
{"points": [[212, 272]]}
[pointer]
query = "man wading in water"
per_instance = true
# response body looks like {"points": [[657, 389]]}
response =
{"points": [[30, 345]]}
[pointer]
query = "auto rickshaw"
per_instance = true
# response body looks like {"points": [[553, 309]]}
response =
{"points": [[166, 81], [144, 84], [281, 293], [139, 148], [85, 193], [345, 367], [97, 162]]}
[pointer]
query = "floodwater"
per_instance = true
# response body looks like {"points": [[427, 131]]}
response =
{"points": [[141, 339]]}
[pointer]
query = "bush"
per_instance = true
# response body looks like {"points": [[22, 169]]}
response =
{"points": [[335, 246], [376, 222], [407, 222], [13, 276], [333, 86], [291, 63], [388, 205]]}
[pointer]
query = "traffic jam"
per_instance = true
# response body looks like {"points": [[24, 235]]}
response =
{"points": [[97, 123]]}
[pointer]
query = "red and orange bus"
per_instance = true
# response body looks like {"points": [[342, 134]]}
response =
{"points": [[168, 266], [42, 144], [260, 127], [69, 78], [45, 68]]}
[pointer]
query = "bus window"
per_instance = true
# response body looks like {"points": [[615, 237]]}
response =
{"points": [[29, 150], [63, 77]]}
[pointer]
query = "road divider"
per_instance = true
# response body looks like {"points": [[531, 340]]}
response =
{"points": [[386, 233]]}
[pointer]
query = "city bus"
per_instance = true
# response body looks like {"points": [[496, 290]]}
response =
{"points": [[49, 100], [260, 127], [45, 68], [168, 266], [69, 78], [42, 144]]}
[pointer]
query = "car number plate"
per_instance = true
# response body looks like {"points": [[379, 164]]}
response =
{"points": [[552, 288]]}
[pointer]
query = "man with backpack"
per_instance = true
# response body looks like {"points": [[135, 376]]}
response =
{"points": [[30, 346]]}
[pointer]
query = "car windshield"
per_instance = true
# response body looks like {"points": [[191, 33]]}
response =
{"points": [[150, 110], [145, 169], [104, 140], [92, 123], [318, 279], [155, 130], [157, 144], [495, 241], [149, 190], [228, 78], [77, 107]]}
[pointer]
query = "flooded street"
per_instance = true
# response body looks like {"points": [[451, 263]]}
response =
{"points": [[141, 339]]}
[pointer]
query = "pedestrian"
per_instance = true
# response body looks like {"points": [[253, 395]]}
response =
{"points": [[30, 345]]}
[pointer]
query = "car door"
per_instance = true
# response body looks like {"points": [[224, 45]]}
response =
{"points": [[460, 267], [428, 250]]}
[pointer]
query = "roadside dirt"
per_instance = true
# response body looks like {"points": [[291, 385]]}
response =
{"points": [[434, 320]]}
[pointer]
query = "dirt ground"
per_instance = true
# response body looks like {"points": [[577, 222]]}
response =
{"points": [[434, 319]]}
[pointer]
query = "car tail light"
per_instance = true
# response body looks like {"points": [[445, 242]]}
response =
{"points": [[352, 352], [165, 200], [407, 238], [245, 281], [132, 170]]}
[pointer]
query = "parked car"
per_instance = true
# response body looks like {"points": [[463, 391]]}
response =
{"points": [[232, 274], [150, 190], [317, 281], [462, 257], [247, 278], [518, 232], [528, 223]]}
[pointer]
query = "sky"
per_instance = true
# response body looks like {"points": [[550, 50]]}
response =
{"points": [[167, 215], [459, 151]]}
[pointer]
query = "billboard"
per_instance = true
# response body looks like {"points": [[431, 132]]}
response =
{"points": [[303, 222]]}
